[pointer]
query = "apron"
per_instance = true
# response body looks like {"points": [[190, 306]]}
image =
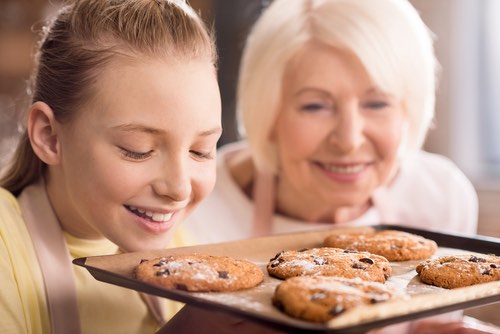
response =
{"points": [[56, 263]]}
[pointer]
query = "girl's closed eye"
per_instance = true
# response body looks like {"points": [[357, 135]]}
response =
{"points": [[208, 155], [135, 155]]}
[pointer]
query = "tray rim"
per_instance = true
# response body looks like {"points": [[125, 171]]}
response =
{"points": [[478, 243]]}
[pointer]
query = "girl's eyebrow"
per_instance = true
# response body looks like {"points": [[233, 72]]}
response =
{"points": [[157, 131], [138, 128], [215, 131]]}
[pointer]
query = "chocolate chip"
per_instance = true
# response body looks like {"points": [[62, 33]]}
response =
{"points": [[163, 261], [223, 274], [277, 262], [336, 310], [163, 272], [182, 287], [476, 259], [358, 266], [486, 272], [276, 256], [319, 261], [302, 250], [494, 266], [366, 260]]}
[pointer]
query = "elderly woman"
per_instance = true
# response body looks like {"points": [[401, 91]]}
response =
{"points": [[335, 98]]}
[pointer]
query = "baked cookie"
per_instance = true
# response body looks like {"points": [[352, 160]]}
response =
{"points": [[328, 261], [320, 298], [200, 272], [391, 244], [459, 270]]}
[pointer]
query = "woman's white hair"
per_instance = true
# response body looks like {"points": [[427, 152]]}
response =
{"points": [[388, 36]]}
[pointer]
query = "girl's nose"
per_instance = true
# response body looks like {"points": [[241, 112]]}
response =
{"points": [[173, 180]]}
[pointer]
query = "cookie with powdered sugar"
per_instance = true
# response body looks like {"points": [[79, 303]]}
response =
{"points": [[321, 298], [200, 272], [459, 270], [327, 261], [391, 244]]}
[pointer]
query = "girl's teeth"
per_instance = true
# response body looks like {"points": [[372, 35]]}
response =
{"points": [[160, 217], [155, 216]]}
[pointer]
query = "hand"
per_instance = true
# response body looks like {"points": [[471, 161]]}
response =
{"points": [[199, 320], [466, 326]]}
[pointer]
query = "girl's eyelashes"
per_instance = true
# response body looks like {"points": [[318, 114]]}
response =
{"points": [[203, 155], [135, 155]]}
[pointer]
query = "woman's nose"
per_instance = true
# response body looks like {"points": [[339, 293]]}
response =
{"points": [[173, 180], [348, 130]]}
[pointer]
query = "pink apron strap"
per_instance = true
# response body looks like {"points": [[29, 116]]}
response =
{"points": [[54, 259], [264, 198], [155, 307]]}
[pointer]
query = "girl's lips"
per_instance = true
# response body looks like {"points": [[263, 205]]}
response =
{"points": [[152, 222], [154, 216]]}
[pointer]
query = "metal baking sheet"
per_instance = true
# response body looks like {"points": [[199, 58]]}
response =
{"points": [[256, 304]]}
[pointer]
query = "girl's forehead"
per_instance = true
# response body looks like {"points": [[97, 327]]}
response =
{"points": [[157, 93]]}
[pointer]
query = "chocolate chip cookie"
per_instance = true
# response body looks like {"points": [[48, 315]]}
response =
{"points": [[320, 298], [459, 270], [327, 261], [391, 244], [200, 272]]}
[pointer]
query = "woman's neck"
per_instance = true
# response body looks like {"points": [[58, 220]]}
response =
{"points": [[309, 208]]}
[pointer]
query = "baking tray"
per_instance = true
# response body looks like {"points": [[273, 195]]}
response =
{"points": [[256, 304]]}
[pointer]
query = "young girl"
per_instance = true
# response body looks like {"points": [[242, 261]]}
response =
{"points": [[119, 147]]}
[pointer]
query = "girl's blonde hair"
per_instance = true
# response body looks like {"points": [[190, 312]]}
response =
{"points": [[388, 36], [84, 37]]}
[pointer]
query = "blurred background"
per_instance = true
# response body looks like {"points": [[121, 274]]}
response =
{"points": [[467, 125]]}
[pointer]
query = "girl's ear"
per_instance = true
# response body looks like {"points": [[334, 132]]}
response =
{"points": [[42, 131]]}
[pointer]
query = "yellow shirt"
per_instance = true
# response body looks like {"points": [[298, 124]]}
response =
{"points": [[104, 308]]}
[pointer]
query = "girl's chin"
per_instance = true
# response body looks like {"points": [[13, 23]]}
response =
{"points": [[143, 245]]}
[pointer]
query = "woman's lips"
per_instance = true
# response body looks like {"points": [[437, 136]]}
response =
{"points": [[344, 172]]}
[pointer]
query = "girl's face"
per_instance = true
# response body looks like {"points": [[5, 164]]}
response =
{"points": [[337, 134], [140, 156]]}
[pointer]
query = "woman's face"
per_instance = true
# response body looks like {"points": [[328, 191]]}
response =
{"points": [[337, 134], [140, 156]]}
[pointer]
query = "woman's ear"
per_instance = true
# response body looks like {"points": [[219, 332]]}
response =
{"points": [[42, 131]]}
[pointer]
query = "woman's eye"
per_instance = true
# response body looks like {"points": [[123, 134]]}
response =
{"points": [[136, 155], [313, 107], [376, 105]]}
